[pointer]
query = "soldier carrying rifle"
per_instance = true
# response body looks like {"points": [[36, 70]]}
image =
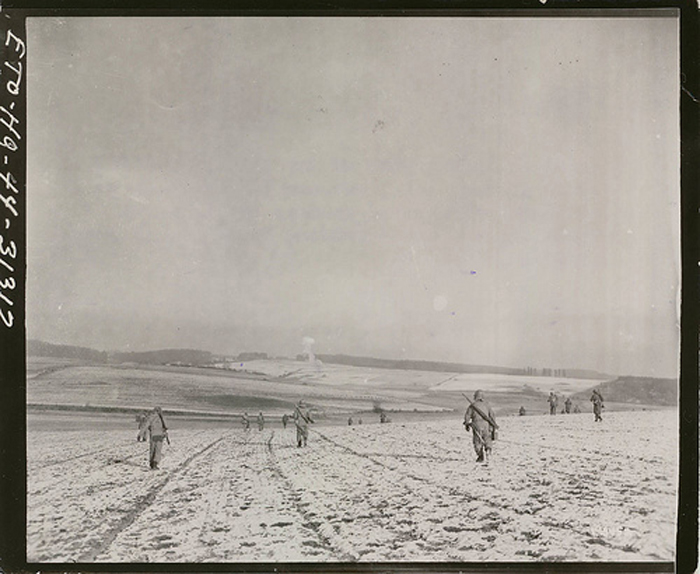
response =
{"points": [[598, 406], [567, 405], [158, 432], [302, 418], [480, 419]]}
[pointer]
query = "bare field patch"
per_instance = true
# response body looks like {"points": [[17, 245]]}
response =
{"points": [[557, 489], [37, 366]]}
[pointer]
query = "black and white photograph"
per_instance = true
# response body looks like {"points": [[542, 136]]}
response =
{"points": [[319, 290]]}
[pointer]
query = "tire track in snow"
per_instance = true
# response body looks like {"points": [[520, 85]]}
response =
{"points": [[69, 459], [465, 496], [96, 452], [325, 541], [222, 487], [607, 478], [142, 504], [381, 516], [68, 477], [419, 456], [584, 452]]}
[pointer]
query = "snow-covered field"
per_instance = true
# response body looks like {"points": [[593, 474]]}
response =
{"points": [[197, 390], [275, 385], [345, 375], [557, 489], [497, 382]]}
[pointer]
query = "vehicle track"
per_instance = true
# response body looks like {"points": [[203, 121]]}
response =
{"points": [[465, 496], [221, 484], [95, 452], [418, 456], [68, 478], [72, 458], [606, 477], [382, 515], [142, 504], [308, 521], [583, 452]]}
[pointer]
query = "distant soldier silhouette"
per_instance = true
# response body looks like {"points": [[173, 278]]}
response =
{"points": [[522, 411], [567, 405], [349, 421], [285, 419], [261, 421], [383, 417], [158, 432], [553, 401], [479, 418], [598, 406], [359, 421], [142, 419], [245, 421], [302, 418], [577, 409]]}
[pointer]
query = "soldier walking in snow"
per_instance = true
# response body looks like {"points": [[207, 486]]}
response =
{"points": [[567, 406], [261, 421], [285, 418], [302, 418], [598, 406], [553, 401], [245, 421], [479, 418], [158, 432]]}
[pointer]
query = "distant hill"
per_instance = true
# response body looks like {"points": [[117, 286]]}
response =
{"points": [[40, 349], [586, 374], [440, 367], [197, 357], [637, 390], [252, 356], [161, 357], [164, 357]]}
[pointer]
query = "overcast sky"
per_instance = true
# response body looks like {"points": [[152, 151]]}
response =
{"points": [[491, 191]]}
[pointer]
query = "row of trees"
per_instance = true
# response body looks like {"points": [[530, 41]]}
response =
{"points": [[544, 372]]}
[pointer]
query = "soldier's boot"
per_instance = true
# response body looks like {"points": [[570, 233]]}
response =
{"points": [[480, 458]]}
